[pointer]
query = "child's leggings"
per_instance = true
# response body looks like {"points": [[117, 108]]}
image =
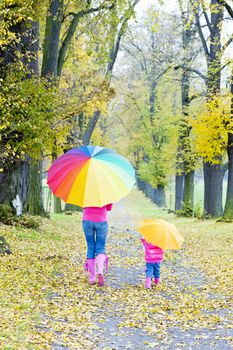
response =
{"points": [[153, 270]]}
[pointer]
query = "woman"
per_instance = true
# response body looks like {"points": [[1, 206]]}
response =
{"points": [[95, 227]]}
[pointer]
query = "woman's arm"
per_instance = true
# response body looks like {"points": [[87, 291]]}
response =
{"points": [[109, 207]]}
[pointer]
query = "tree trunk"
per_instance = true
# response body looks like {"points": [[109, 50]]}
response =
{"points": [[113, 52], [14, 185], [140, 184], [74, 140], [66, 42], [50, 53], [188, 190], [179, 190], [213, 174], [147, 189], [51, 41], [90, 128], [57, 205], [159, 196], [228, 210], [24, 187], [184, 180], [19, 182], [213, 179], [34, 202]]}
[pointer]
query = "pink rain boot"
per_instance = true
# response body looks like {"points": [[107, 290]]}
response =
{"points": [[102, 260], [148, 283], [156, 280], [90, 266]]}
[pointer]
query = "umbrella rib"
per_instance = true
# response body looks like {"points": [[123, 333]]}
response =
{"points": [[106, 166], [119, 172], [89, 175]]}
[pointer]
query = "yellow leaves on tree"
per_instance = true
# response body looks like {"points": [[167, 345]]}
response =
{"points": [[14, 12], [210, 127], [84, 73], [32, 114]]}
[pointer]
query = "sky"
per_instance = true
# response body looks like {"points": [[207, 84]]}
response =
{"points": [[169, 5]]}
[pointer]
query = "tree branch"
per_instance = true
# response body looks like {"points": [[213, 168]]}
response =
{"points": [[113, 54], [194, 71], [136, 46], [227, 43], [198, 73], [227, 7], [141, 114], [125, 126], [115, 47], [162, 73], [225, 65], [142, 63], [203, 41], [72, 28], [206, 16]]}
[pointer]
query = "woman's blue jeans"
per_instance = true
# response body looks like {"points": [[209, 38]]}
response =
{"points": [[153, 269], [95, 234]]}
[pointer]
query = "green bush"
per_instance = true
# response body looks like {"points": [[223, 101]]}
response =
{"points": [[225, 219], [8, 217], [186, 211], [29, 221], [198, 211]]}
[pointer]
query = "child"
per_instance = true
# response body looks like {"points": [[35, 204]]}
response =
{"points": [[153, 256]]}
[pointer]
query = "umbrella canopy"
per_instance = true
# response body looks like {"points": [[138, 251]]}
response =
{"points": [[161, 233], [91, 176]]}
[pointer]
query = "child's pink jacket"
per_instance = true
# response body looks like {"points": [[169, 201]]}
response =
{"points": [[153, 254]]}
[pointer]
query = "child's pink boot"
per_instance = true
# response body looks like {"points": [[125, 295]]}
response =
{"points": [[90, 266], [148, 283], [156, 280], [102, 260]]}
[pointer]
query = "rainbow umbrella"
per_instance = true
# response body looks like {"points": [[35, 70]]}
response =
{"points": [[161, 233], [91, 176]]}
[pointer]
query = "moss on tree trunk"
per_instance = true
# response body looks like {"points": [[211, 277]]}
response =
{"points": [[34, 201], [188, 190]]}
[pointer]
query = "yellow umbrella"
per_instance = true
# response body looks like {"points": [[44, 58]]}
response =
{"points": [[161, 233]]}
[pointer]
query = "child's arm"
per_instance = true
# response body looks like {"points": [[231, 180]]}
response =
{"points": [[143, 241]]}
